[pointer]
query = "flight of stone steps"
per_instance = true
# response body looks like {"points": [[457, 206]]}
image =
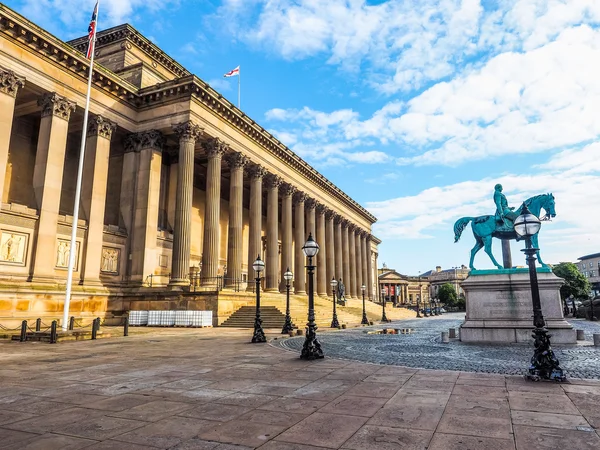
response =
{"points": [[271, 303]]}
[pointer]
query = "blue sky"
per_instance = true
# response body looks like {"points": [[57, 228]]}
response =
{"points": [[415, 108]]}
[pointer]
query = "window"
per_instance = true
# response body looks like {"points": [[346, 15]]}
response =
{"points": [[585, 273]]}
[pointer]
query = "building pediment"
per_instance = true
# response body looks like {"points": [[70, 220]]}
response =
{"points": [[392, 276]]}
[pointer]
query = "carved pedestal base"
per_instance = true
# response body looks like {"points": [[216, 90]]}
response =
{"points": [[499, 307]]}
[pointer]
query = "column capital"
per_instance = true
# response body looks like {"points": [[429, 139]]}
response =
{"points": [[188, 131], [55, 105], [236, 160], [345, 223], [351, 226], [299, 197], [272, 181], [321, 209], [330, 214], [256, 171], [99, 126], [10, 82], [287, 189], [134, 142], [310, 203], [215, 148]]}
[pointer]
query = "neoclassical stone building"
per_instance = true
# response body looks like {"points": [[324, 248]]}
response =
{"points": [[181, 190]]}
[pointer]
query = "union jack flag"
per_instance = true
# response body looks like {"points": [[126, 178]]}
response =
{"points": [[92, 32]]}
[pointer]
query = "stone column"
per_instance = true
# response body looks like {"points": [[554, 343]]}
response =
{"points": [[47, 180], [215, 148], [330, 241], [337, 230], [299, 200], [272, 183], [370, 282], [322, 255], [287, 257], [346, 257], [375, 274], [311, 228], [9, 87], [236, 161], [359, 261], [93, 195], [188, 133], [354, 286], [366, 257], [140, 194], [256, 174]]}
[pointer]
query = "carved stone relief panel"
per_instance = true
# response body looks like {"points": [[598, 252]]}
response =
{"points": [[13, 247], [63, 253], [110, 260]]}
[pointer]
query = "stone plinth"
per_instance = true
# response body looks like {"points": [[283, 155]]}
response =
{"points": [[500, 309]]}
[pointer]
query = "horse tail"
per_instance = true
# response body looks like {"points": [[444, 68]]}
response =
{"points": [[459, 226]]}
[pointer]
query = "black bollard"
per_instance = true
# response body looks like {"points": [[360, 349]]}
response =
{"points": [[126, 326], [71, 323], [38, 324], [23, 337], [95, 325], [53, 336]]}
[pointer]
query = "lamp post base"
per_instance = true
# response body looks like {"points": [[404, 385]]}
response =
{"points": [[544, 364], [334, 322], [259, 334], [312, 347], [288, 326], [365, 320], [384, 318]]}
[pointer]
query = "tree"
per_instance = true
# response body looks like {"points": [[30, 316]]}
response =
{"points": [[447, 294], [576, 284]]}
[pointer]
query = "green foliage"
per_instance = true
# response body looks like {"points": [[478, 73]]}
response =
{"points": [[447, 294], [576, 284]]}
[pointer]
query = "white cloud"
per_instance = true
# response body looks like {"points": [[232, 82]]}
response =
{"points": [[406, 43], [537, 101]]}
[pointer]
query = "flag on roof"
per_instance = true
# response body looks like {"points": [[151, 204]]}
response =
{"points": [[92, 32], [233, 73]]}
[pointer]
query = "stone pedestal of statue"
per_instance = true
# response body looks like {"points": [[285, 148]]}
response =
{"points": [[499, 307]]}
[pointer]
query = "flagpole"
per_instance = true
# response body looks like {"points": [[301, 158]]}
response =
{"points": [[239, 82], [73, 247]]}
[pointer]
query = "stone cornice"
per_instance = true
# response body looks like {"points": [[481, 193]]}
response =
{"points": [[39, 41], [127, 32]]}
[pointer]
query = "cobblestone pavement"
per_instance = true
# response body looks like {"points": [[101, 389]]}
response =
{"points": [[423, 349]]}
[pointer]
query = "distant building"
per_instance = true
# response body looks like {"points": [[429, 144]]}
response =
{"points": [[438, 277], [401, 289], [589, 266]]}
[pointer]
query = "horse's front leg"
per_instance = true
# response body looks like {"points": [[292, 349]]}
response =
{"points": [[534, 242]]}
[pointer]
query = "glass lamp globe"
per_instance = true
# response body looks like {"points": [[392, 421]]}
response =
{"points": [[288, 275], [333, 282], [363, 287], [310, 248], [258, 265], [527, 224]]}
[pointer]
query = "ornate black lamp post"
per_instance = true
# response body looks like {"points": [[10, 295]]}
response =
{"points": [[418, 306], [259, 334], [287, 326], [364, 320], [334, 321], [383, 316], [543, 362], [312, 347]]}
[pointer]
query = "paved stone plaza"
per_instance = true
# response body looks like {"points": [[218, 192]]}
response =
{"points": [[211, 389], [423, 349]]}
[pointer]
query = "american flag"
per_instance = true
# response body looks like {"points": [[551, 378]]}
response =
{"points": [[92, 32], [233, 73]]}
